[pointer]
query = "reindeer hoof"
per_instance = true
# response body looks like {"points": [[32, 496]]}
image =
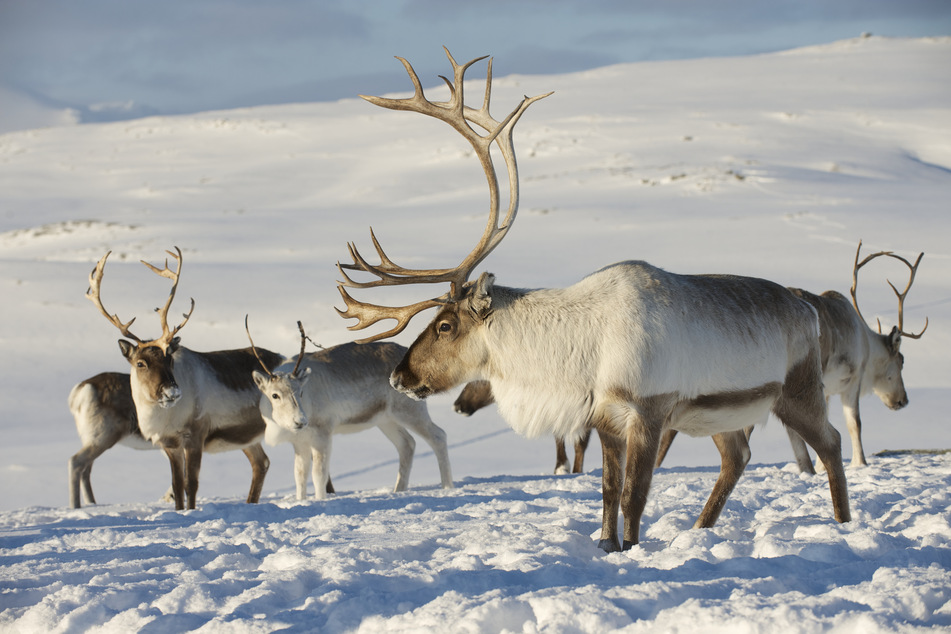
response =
{"points": [[609, 545]]}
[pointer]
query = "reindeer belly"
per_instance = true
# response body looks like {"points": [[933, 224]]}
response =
{"points": [[711, 414], [248, 431], [136, 441]]}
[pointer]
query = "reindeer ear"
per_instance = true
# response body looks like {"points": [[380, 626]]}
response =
{"points": [[894, 339], [260, 380], [303, 375], [127, 349], [480, 299]]}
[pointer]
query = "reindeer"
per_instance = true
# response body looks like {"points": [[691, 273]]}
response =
{"points": [[630, 350], [855, 359], [105, 415], [478, 394], [342, 390], [188, 402]]}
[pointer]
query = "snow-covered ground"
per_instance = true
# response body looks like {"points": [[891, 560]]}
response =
{"points": [[772, 165]]}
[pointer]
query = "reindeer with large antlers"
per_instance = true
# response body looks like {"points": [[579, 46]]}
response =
{"points": [[630, 350], [189, 402], [855, 359], [343, 390]]}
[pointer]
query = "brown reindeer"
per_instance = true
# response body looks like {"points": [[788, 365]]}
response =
{"points": [[856, 360], [631, 350], [189, 402], [478, 394]]}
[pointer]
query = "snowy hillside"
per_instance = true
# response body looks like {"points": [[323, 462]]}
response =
{"points": [[772, 165]]}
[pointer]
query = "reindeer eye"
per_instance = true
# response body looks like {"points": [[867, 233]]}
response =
{"points": [[445, 327], [140, 364], [276, 396]]}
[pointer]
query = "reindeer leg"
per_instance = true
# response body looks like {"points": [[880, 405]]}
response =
{"points": [[665, 442], [612, 477], [176, 460], [850, 407], [260, 463], [320, 447], [643, 440], [804, 411], [405, 446], [581, 446], [192, 469], [417, 419], [80, 468], [303, 462], [734, 456], [800, 451], [561, 457]]}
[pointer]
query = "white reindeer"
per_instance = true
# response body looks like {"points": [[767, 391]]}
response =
{"points": [[478, 394], [630, 350], [856, 360], [342, 390], [189, 402]]}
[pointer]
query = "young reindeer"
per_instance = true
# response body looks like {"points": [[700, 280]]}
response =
{"points": [[478, 394], [855, 359], [630, 350], [189, 402], [343, 390]]}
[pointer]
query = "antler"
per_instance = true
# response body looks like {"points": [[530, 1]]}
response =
{"points": [[93, 294], [303, 343], [459, 116], [169, 334], [900, 295], [254, 349]]}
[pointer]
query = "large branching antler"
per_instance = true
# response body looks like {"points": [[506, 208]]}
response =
{"points": [[900, 295], [459, 116], [93, 294]]}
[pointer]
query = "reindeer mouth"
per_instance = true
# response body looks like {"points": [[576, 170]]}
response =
{"points": [[416, 393]]}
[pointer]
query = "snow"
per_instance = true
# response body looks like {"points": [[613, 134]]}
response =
{"points": [[770, 165]]}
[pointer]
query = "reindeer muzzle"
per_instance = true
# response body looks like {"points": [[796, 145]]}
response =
{"points": [[170, 396]]}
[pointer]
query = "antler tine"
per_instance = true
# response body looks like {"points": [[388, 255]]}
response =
{"points": [[92, 294], [303, 343], [369, 314], [459, 116], [267, 370], [901, 296], [169, 333]]}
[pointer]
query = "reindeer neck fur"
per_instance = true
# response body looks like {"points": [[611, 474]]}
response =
{"points": [[636, 330]]}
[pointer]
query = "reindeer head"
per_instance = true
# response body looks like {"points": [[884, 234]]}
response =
{"points": [[151, 359], [886, 360], [282, 392], [445, 354]]}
